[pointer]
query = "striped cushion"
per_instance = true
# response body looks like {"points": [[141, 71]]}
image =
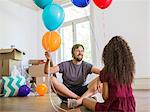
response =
{"points": [[1, 86], [12, 85]]}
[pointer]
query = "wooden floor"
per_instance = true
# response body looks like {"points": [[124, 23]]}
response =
{"points": [[43, 104], [142, 101]]}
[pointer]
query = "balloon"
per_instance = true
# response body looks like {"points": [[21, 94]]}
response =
{"points": [[53, 16], [103, 4], [51, 41], [80, 3], [41, 89], [24, 90], [42, 3]]}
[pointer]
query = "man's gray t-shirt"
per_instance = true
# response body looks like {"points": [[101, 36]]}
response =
{"points": [[73, 74]]}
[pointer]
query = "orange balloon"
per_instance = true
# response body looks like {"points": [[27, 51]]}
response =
{"points": [[41, 89], [51, 41]]}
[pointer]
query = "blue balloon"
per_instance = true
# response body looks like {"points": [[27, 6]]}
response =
{"points": [[24, 90], [80, 3], [42, 3], [53, 16]]}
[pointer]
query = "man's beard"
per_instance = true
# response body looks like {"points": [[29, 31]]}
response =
{"points": [[78, 59]]}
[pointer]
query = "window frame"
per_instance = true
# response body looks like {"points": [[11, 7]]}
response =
{"points": [[73, 23]]}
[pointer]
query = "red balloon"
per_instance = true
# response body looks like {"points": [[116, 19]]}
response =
{"points": [[102, 4]]}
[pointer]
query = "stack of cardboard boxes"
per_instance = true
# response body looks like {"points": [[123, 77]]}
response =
{"points": [[36, 71], [9, 58]]}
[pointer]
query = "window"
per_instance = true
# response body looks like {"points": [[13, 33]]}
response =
{"points": [[76, 29], [72, 12], [67, 42], [83, 37]]}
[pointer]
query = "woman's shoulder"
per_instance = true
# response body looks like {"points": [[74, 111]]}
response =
{"points": [[105, 76]]}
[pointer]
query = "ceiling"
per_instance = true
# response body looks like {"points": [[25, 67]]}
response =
{"points": [[30, 3]]}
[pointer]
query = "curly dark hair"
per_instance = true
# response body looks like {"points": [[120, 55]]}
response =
{"points": [[118, 60]]}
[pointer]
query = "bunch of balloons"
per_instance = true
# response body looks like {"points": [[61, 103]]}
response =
{"points": [[53, 16], [102, 4]]}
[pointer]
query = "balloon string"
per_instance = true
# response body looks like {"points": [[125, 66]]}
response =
{"points": [[97, 42], [103, 24], [51, 87], [93, 33]]}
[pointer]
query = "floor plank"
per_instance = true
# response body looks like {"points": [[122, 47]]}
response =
{"points": [[142, 100], [43, 103]]}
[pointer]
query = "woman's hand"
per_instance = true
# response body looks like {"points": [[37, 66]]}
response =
{"points": [[99, 86]]}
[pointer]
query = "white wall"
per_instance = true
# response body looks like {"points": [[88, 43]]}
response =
{"points": [[148, 37], [128, 18], [19, 27], [41, 31]]}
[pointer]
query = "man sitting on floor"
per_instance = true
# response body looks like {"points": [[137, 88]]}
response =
{"points": [[74, 74]]}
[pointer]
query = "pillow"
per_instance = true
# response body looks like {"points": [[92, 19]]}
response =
{"points": [[12, 85]]}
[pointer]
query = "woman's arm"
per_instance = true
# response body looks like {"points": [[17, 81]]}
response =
{"points": [[89, 103], [105, 91]]}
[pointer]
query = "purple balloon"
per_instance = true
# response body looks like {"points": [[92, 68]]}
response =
{"points": [[24, 90]]}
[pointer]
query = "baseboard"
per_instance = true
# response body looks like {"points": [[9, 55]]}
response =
{"points": [[141, 82]]}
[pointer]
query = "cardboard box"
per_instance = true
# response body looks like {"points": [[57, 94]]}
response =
{"points": [[37, 70], [41, 80], [36, 62], [12, 53], [6, 66]]}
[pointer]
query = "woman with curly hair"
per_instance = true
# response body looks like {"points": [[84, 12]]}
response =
{"points": [[116, 77]]}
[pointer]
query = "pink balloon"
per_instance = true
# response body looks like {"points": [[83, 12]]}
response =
{"points": [[102, 4]]}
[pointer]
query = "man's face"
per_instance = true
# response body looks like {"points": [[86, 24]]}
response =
{"points": [[78, 54]]}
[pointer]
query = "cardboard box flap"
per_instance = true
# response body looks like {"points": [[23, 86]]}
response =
{"points": [[36, 61], [3, 51], [6, 66]]}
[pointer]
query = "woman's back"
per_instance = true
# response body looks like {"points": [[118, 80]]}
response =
{"points": [[120, 97]]}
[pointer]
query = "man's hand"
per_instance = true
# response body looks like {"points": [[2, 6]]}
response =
{"points": [[48, 56]]}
